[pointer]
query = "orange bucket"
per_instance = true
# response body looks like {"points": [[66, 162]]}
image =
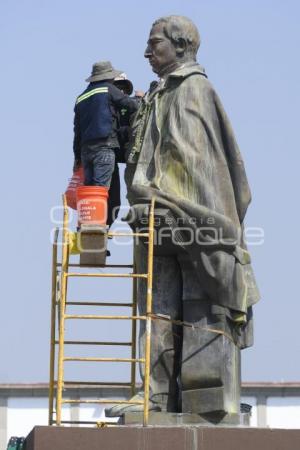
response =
{"points": [[92, 205]]}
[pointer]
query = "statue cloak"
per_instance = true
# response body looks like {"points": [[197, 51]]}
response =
{"points": [[184, 152]]}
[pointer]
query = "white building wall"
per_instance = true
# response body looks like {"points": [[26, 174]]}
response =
{"points": [[283, 412], [94, 413], [26, 412]]}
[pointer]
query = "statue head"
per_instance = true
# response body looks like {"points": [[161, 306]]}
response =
{"points": [[173, 40]]}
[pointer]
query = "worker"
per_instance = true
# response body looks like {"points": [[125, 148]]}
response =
{"points": [[95, 124]]}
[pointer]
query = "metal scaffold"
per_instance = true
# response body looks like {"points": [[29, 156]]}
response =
{"points": [[61, 275]]}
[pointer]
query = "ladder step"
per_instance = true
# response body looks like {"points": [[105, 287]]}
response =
{"points": [[92, 359], [73, 303], [107, 275], [112, 234], [117, 266], [96, 383], [105, 400], [125, 344], [92, 316]]}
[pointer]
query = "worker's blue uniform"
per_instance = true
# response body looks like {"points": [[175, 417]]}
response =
{"points": [[95, 130]]}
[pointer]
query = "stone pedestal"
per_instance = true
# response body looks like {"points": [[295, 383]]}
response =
{"points": [[161, 438]]}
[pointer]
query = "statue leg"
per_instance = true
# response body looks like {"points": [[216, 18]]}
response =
{"points": [[210, 371], [166, 338]]}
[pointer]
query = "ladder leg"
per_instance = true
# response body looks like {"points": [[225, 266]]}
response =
{"points": [[133, 327], [62, 307], [53, 326], [149, 311]]}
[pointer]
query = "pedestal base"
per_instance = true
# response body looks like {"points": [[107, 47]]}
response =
{"points": [[160, 438]]}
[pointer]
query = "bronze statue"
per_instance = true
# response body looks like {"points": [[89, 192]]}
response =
{"points": [[184, 153]]}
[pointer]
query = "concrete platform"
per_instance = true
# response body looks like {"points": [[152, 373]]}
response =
{"points": [[162, 438], [166, 419]]}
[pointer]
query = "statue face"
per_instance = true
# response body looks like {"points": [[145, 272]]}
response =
{"points": [[160, 51]]}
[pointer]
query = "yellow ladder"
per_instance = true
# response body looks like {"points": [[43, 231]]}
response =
{"points": [[59, 304]]}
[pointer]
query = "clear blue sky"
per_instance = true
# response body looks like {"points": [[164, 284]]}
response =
{"points": [[251, 54]]}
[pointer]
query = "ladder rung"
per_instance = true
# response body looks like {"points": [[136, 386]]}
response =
{"points": [[99, 304], [96, 383], [91, 316], [92, 359], [112, 234], [107, 275], [105, 400], [126, 344], [102, 266]]}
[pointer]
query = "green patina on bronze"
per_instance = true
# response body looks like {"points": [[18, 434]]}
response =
{"points": [[186, 155]]}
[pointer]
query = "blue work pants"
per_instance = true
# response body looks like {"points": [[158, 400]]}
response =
{"points": [[98, 164]]}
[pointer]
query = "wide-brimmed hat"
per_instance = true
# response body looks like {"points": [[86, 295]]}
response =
{"points": [[103, 70], [122, 82]]}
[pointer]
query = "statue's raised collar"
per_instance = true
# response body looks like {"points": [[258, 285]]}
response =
{"points": [[186, 70], [183, 71]]}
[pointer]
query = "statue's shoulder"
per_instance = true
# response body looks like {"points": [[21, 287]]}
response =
{"points": [[194, 86], [197, 79], [191, 77]]}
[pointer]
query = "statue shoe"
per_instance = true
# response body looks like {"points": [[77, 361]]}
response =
{"points": [[119, 410]]}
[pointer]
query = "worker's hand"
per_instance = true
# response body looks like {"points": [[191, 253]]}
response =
{"points": [[76, 165], [139, 94]]}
